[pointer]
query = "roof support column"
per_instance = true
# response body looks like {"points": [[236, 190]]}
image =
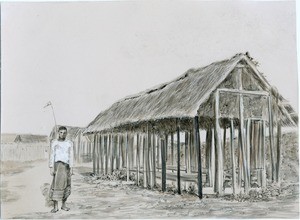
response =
{"points": [[163, 163], [197, 143], [178, 158], [271, 138], [219, 165], [232, 156], [138, 158], [94, 154]]}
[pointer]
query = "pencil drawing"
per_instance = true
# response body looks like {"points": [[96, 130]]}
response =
{"points": [[218, 140]]}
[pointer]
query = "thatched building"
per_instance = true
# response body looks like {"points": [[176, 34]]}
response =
{"points": [[140, 131]]}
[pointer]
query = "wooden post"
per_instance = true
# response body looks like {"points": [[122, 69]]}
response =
{"points": [[193, 152], [131, 150], [207, 156], [101, 154], [248, 145], [271, 138], [278, 151], [138, 158], [178, 158], [94, 155], [158, 152], [98, 153], [259, 154], [240, 162], [189, 153], [106, 154], [148, 147], [242, 142], [144, 162], [127, 156], [112, 137], [212, 159], [163, 165], [118, 152], [232, 156], [186, 151], [198, 150], [172, 150], [224, 144], [153, 159], [219, 179], [263, 147]]}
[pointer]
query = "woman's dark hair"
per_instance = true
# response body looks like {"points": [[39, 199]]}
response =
{"points": [[62, 128]]}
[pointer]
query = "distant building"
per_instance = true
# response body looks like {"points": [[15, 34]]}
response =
{"points": [[30, 138], [23, 147]]}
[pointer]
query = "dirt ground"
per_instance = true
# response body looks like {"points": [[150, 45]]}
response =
{"points": [[24, 195]]}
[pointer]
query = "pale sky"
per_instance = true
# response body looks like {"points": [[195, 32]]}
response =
{"points": [[84, 56]]}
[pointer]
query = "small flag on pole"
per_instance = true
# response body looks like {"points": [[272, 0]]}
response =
{"points": [[49, 103]]}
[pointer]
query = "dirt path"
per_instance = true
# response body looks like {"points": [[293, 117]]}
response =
{"points": [[25, 187], [102, 199]]}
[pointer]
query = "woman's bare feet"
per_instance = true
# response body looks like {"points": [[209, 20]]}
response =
{"points": [[54, 210], [64, 207]]}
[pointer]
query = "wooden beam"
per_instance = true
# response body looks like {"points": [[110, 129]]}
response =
{"points": [[144, 162], [198, 148], [154, 158], [186, 151], [248, 146], [243, 92], [112, 141], [212, 159], [98, 153], [122, 151], [224, 144], [101, 154], [219, 175], [172, 149], [271, 138], [163, 165], [279, 143], [242, 142], [232, 157], [118, 151], [207, 156], [138, 158], [148, 147], [94, 154], [263, 147], [158, 152], [178, 159], [127, 155]]}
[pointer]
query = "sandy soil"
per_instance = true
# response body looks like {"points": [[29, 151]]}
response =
{"points": [[95, 198]]}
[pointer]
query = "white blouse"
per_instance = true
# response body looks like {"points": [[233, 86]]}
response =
{"points": [[61, 151]]}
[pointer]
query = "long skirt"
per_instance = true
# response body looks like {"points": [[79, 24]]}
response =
{"points": [[61, 183]]}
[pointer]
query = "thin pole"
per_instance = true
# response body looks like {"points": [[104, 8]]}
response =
{"points": [[163, 164], [178, 158], [53, 114], [271, 138], [232, 156], [219, 161], [198, 150]]}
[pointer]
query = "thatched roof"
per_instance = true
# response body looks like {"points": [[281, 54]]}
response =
{"points": [[73, 132], [30, 138], [179, 98]]}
